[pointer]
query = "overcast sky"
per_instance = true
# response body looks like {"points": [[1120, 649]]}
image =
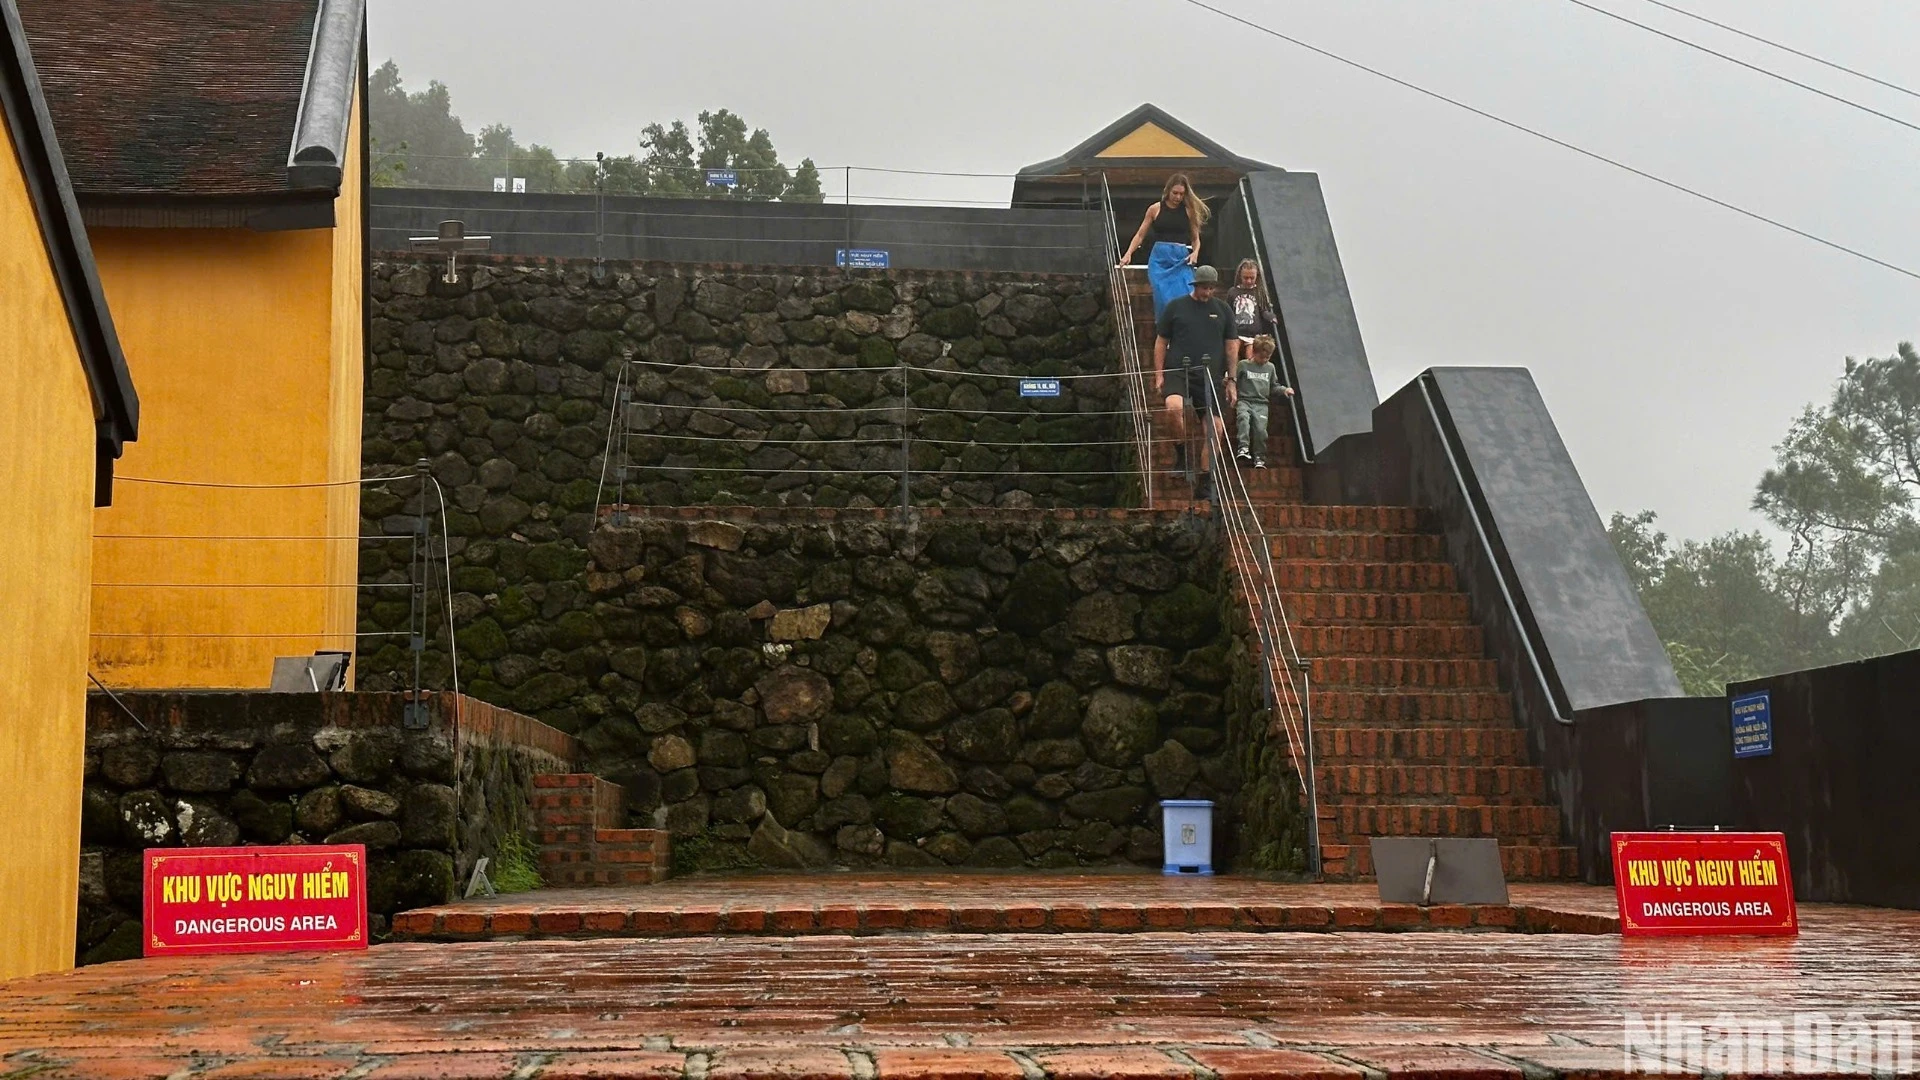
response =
{"points": [[1673, 341]]}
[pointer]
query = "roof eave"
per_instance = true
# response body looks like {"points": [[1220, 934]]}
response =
{"points": [[116, 406], [317, 158], [1083, 157]]}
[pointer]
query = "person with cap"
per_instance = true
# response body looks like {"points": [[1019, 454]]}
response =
{"points": [[1189, 365]]}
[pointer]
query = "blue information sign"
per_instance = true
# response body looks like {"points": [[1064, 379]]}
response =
{"points": [[723, 178], [1753, 725], [1039, 387], [861, 258]]}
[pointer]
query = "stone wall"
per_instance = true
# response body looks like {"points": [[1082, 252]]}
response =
{"points": [[497, 754], [806, 687], [1267, 819], [229, 769], [808, 388]]}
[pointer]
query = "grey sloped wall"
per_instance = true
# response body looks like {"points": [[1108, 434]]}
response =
{"points": [[1585, 612], [1337, 394]]}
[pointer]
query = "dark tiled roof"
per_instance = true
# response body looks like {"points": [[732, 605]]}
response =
{"points": [[1086, 155], [173, 97], [29, 128]]}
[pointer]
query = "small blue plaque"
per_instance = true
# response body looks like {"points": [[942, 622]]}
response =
{"points": [[1753, 725], [1039, 387], [726, 178], [861, 258]]}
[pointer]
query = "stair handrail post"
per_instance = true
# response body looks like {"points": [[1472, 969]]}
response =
{"points": [[414, 715], [906, 443], [846, 198], [1280, 655], [1126, 343]]}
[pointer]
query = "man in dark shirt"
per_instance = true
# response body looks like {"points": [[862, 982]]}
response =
{"points": [[1189, 365]]}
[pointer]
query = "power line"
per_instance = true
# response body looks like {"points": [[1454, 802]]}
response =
{"points": [[1849, 102], [1562, 143], [1785, 48]]}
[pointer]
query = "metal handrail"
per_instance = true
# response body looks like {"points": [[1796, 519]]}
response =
{"points": [[1287, 366], [1249, 546], [1252, 549], [1128, 345], [1486, 547]]}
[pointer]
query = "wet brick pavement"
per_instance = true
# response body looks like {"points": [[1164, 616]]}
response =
{"points": [[1201, 1005], [873, 903]]}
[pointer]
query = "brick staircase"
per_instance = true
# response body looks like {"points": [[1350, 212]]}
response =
{"points": [[576, 818], [1413, 733]]}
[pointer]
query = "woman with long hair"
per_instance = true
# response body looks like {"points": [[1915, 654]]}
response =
{"points": [[1173, 224]]}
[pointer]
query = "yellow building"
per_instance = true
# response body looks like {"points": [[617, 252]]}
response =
{"points": [[217, 160], [66, 407]]}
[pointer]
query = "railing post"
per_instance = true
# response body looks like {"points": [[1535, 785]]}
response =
{"points": [[415, 714], [622, 407], [906, 442], [846, 196]]}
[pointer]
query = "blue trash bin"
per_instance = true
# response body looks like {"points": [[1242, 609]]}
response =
{"points": [[1186, 826]]}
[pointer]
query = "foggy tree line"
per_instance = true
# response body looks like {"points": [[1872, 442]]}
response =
{"points": [[418, 141], [1843, 580]]}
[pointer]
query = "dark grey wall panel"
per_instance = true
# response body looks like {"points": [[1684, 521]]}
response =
{"points": [[1641, 765], [756, 233], [1588, 616], [1316, 311], [1839, 782]]}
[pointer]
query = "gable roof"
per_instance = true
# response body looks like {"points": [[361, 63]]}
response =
{"points": [[116, 408], [1145, 137], [173, 102]]}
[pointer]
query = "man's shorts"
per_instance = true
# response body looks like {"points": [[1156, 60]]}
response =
{"points": [[1191, 384]]}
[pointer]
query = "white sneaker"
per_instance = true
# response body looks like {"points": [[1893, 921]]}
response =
{"points": [[1259, 463], [1245, 454]]}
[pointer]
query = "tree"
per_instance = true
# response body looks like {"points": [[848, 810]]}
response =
{"points": [[427, 142], [1843, 489], [1842, 492], [725, 144], [388, 165], [425, 145], [806, 184], [1715, 604], [667, 166], [498, 154]]}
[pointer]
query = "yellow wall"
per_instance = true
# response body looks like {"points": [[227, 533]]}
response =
{"points": [[46, 469], [345, 395], [1150, 140], [247, 350]]}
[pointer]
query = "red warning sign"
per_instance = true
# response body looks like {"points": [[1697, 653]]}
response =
{"points": [[255, 899], [1703, 883]]}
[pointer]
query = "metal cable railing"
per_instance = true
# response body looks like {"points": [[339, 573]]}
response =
{"points": [[1070, 430], [1252, 551], [417, 580], [1127, 343]]}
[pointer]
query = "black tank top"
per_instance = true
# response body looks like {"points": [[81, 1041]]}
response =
{"points": [[1170, 225]]}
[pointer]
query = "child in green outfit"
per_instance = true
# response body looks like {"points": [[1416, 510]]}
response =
{"points": [[1254, 382]]}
